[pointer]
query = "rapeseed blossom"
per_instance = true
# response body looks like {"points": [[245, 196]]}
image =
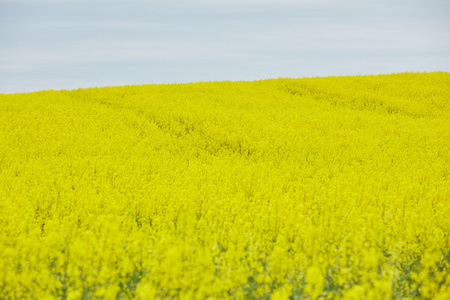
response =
{"points": [[334, 188]]}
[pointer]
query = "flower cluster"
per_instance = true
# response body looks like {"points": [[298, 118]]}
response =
{"points": [[331, 188]]}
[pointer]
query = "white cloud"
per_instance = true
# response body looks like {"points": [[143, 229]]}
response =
{"points": [[219, 40]]}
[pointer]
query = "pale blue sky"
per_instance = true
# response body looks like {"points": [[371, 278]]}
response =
{"points": [[70, 44]]}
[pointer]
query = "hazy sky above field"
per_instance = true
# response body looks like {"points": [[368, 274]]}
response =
{"points": [[68, 44]]}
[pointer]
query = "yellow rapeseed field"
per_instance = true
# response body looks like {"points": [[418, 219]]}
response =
{"points": [[329, 188]]}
